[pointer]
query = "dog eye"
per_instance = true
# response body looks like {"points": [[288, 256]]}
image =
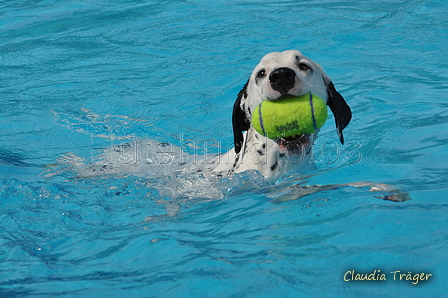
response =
{"points": [[304, 67], [261, 73]]}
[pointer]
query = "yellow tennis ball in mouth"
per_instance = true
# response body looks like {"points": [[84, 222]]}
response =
{"points": [[289, 116]]}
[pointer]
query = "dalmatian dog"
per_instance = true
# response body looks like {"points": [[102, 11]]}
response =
{"points": [[278, 74]]}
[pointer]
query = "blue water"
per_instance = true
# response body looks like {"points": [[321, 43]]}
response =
{"points": [[81, 77]]}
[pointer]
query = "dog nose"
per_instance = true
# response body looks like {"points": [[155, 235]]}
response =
{"points": [[282, 79]]}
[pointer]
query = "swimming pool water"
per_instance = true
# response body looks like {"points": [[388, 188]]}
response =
{"points": [[80, 78]]}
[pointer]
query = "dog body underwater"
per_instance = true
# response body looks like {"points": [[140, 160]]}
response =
{"points": [[278, 74]]}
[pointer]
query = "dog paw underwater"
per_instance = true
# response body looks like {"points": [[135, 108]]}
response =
{"points": [[276, 119]]}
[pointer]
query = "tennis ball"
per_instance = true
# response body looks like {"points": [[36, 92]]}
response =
{"points": [[289, 116]]}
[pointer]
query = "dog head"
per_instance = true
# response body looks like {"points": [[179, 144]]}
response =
{"points": [[282, 73]]}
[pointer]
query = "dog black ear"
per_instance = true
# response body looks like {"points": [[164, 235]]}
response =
{"points": [[240, 121], [339, 108]]}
